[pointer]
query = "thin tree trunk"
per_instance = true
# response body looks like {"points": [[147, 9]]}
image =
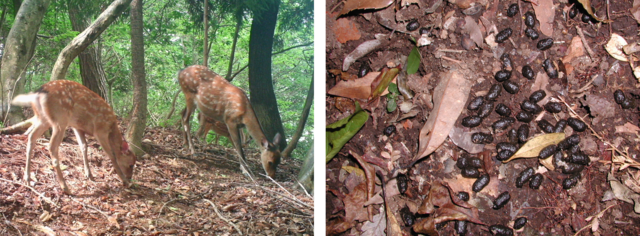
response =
{"points": [[303, 120], [233, 48], [80, 42], [18, 50], [263, 98], [135, 131], [91, 70], [206, 34]]}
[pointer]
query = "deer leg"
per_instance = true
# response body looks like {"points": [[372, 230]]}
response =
{"points": [[82, 142], [186, 117], [56, 138], [37, 129], [104, 141]]}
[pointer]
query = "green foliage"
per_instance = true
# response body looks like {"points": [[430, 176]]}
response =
{"points": [[340, 132], [413, 62], [391, 97]]}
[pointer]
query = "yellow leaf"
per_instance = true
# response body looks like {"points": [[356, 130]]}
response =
{"points": [[358, 171], [532, 147]]}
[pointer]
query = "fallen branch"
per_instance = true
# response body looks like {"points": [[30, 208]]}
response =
{"points": [[19, 127], [585, 43], [221, 217], [32, 189]]}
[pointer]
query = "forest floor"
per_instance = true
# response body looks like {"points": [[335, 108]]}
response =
{"points": [[173, 193], [373, 186]]}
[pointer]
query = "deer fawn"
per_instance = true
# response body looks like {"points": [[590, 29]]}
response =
{"points": [[207, 124], [220, 100], [61, 104]]}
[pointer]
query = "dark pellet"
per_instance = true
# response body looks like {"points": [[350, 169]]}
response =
{"points": [[626, 104], [389, 130], [503, 123], [570, 181], [480, 183], [531, 33], [470, 172], [576, 124], [535, 181], [494, 92], [572, 168], [407, 216], [524, 176], [503, 35], [618, 96], [537, 96], [524, 116], [481, 138], [402, 183], [523, 133], [573, 140], [530, 106], [461, 227], [545, 44], [579, 158], [485, 110], [474, 162], [476, 103], [545, 126], [559, 128], [512, 136], [550, 68], [464, 196], [519, 223], [471, 121], [502, 75], [506, 62], [529, 19], [574, 149], [512, 10], [553, 107], [573, 12], [364, 70], [586, 18], [413, 25], [501, 230], [504, 155], [548, 151], [527, 72], [506, 146], [502, 199], [463, 162], [511, 86]]}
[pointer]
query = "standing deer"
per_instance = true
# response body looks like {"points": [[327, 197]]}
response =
{"points": [[60, 104], [220, 100], [220, 128]]}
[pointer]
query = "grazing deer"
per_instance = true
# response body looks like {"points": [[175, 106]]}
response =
{"points": [[220, 100], [207, 124], [60, 104]]}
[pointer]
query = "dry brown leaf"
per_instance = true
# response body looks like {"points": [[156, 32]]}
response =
{"points": [[449, 99], [627, 128], [376, 226], [351, 5], [345, 30], [472, 28], [532, 147], [635, 10], [354, 204], [438, 196], [359, 88], [545, 12], [586, 5], [462, 139], [338, 226], [343, 75], [576, 49]]}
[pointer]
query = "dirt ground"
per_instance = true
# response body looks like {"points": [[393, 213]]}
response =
{"points": [[586, 82], [172, 194]]}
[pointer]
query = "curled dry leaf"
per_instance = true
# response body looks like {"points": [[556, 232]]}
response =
{"points": [[360, 51], [614, 47], [623, 193], [354, 204], [532, 147], [586, 5], [376, 226], [576, 49], [351, 5], [358, 88], [472, 28], [449, 99], [439, 195], [545, 12]]}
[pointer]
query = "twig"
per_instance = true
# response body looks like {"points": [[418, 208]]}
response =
{"points": [[304, 189], [6, 221], [589, 225], [275, 182], [221, 217], [91, 207], [32, 189], [451, 50], [287, 197], [172, 200], [451, 59], [336, 6], [585, 43]]}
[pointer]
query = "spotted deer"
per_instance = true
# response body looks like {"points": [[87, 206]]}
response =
{"points": [[207, 124], [220, 100], [60, 104]]}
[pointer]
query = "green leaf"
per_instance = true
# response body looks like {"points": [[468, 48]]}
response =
{"points": [[340, 132], [391, 103], [533, 147], [393, 88], [413, 62]]}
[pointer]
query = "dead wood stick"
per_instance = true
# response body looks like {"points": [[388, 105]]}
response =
{"points": [[32, 189], [222, 217], [585, 43], [6, 221], [163, 205]]}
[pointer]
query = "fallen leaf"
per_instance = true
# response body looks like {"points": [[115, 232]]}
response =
{"points": [[462, 139], [586, 5], [345, 30], [627, 128], [338, 226], [449, 99], [343, 75], [438, 196], [351, 5], [358, 88], [600, 107], [369, 172], [576, 49], [614, 47], [532, 147], [354, 204], [362, 49], [376, 226], [623, 193], [340, 132], [545, 12], [472, 28], [635, 10]]}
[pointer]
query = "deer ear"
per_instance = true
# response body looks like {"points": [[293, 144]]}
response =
{"points": [[265, 143], [276, 139]]}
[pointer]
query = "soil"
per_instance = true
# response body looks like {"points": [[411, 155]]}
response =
{"points": [[550, 210], [172, 192]]}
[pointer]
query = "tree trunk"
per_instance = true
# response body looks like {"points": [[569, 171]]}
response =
{"points": [[233, 47], [82, 41], [303, 120], [19, 48], [91, 70], [305, 176], [263, 98], [206, 34], [138, 121]]}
